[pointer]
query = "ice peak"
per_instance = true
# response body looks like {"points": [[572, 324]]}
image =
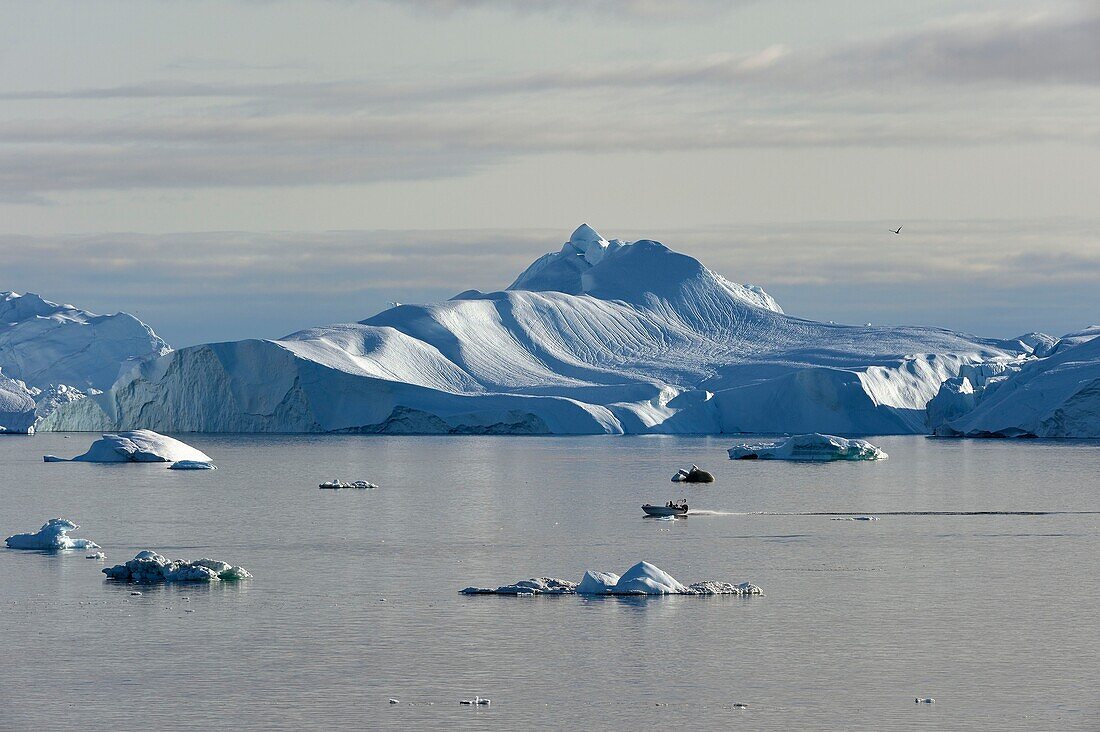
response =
{"points": [[586, 234]]}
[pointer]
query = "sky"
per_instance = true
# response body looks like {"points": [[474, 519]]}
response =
{"points": [[246, 168]]}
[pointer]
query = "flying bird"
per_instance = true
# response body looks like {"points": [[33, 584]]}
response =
{"points": [[897, 230]]}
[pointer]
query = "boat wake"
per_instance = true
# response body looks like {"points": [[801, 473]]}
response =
{"points": [[704, 512]]}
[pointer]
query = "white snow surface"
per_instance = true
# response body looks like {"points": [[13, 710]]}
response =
{"points": [[603, 336], [641, 579], [53, 536], [808, 448], [1058, 396], [139, 446]]}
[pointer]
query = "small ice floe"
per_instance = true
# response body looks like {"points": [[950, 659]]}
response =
{"points": [[924, 700], [695, 475], [97, 555], [337, 484], [53, 536], [740, 705], [137, 446], [641, 579], [394, 701], [192, 465], [813, 447], [135, 593], [149, 567], [477, 701], [855, 518]]}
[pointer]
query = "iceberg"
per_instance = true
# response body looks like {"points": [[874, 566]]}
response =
{"points": [[694, 475], [600, 337], [53, 536], [139, 446], [337, 484], [1056, 396], [641, 579], [61, 353], [18, 411], [149, 567], [814, 447]]}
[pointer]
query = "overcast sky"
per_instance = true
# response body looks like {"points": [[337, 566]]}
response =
{"points": [[244, 169]]}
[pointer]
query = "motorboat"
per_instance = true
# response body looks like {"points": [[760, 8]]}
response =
{"points": [[669, 509]]}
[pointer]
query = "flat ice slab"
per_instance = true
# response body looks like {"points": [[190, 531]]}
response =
{"points": [[192, 465], [150, 567], [138, 446], [814, 447], [641, 579], [53, 536]]}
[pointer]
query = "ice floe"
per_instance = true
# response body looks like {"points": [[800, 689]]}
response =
{"points": [[336, 484], [149, 567], [53, 536], [814, 447], [137, 446], [641, 579]]}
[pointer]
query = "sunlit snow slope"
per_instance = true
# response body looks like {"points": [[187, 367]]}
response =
{"points": [[599, 337]]}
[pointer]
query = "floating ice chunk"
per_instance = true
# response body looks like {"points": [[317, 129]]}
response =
{"points": [[924, 700], [53, 536], [740, 705], [148, 567], [641, 579], [535, 586], [695, 475], [646, 579], [597, 583], [192, 465], [138, 446], [394, 701], [813, 447], [97, 555], [337, 484], [477, 701]]}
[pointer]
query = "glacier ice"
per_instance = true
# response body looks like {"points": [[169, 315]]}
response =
{"points": [[59, 353], [138, 446], [809, 448], [1056, 396], [53, 536], [641, 579], [337, 484], [18, 412], [603, 336], [149, 567]]}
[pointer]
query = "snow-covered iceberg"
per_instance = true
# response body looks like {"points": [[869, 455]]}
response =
{"points": [[1057, 396], [603, 336], [813, 447], [641, 579], [18, 412], [53, 536], [59, 353], [138, 446], [149, 567]]}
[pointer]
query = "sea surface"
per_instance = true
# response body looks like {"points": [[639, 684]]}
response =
{"points": [[978, 586]]}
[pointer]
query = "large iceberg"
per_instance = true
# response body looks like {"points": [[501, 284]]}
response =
{"points": [[139, 446], [149, 567], [53, 536], [808, 448], [18, 411], [1057, 396], [641, 579], [603, 336], [58, 353]]}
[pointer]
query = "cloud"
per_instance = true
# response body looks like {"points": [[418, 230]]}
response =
{"points": [[900, 91]]}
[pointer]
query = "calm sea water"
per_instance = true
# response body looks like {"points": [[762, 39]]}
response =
{"points": [[355, 597]]}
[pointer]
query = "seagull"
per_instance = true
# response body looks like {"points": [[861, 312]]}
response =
{"points": [[897, 230]]}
